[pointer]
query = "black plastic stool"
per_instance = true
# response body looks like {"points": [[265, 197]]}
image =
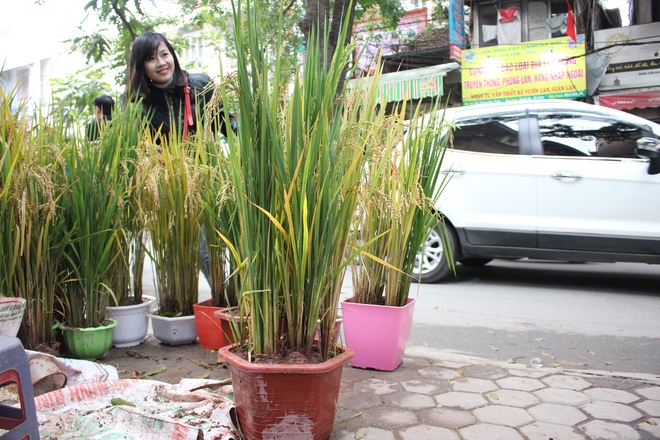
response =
{"points": [[20, 423]]}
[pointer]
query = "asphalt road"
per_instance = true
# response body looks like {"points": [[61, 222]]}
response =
{"points": [[596, 316]]}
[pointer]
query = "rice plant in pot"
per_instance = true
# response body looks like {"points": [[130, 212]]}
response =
{"points": [[295, 166], [174, 179], [34, 237], [396, 212], [14, 133], [128, 306], [213, 325], [93, 208]]}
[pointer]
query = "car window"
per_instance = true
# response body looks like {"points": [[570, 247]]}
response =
{"points": [[580, 135], [490, 136]]}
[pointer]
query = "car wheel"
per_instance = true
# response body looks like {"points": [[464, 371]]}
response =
{"points": [[475, 262], [432, 266]]}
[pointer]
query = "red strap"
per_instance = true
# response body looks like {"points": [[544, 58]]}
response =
{"points": [[187, 112]]}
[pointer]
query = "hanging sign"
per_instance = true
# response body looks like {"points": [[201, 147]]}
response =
{"points": [[456, 29], [535, 70]]}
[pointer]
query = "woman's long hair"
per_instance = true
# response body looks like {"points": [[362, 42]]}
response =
{"points": [[142, 49]]}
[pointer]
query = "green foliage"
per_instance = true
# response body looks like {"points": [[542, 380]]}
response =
{"points": [[13, 132], [124, 277], [121, 22], [390, 11], [73, 96], [300, 166], [440, 14], [217, 221], [108, 45]]}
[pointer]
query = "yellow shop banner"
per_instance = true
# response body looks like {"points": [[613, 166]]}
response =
{"points": [[535, 70]]}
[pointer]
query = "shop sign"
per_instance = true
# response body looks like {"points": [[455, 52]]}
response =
{"points": [[534, 70], [635, 56], [456, 29]]}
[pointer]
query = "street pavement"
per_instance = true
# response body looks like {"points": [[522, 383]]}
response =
{"points": [[445, 396], [439, 395]]}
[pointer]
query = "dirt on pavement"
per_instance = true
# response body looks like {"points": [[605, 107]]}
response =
{"points": [[165, 363]]}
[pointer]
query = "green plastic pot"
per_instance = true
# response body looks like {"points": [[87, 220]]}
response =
{"points": [[89, 343]]}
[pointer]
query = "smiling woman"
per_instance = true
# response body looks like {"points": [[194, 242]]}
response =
{"points": [[172, 98]]}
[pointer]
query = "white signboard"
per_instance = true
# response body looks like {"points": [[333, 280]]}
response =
{"points": [[632, 66]]}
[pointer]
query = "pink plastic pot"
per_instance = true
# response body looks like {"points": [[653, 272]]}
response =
{"points": [[377, 334]]}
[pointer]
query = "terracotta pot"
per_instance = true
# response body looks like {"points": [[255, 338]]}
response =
{"points": [[228, 316], [337, 331], [213, 332], [378, 334], [293, 402]]}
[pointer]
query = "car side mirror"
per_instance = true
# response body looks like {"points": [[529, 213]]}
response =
{"points": [[650, 148]]}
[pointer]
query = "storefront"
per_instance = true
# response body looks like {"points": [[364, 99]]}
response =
{"points": [[632, 79], [413, 85]]}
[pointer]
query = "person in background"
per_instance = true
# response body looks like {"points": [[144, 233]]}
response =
{"points": [[103, 107], [171, 98]]}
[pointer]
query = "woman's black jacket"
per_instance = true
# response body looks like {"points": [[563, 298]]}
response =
{"points": [[165, 106]]}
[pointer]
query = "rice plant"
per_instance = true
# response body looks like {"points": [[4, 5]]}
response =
{"points": [[173, 209], [93, 208], [125, 136], [295, 169], [32, 186], [398, 205]]}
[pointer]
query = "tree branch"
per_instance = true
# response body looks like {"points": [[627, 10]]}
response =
{"points": [[122, 17]]}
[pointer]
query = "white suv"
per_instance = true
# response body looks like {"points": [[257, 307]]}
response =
{"points": [[550, 179]]}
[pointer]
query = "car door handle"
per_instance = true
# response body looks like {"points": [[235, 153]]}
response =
{"points": [[451, 171], [561, 175]]}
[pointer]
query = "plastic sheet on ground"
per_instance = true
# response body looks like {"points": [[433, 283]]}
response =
{"points": [[193, 409], [50, 372]]}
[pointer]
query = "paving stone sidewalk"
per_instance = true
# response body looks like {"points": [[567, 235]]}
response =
{"points": [[444, 396]]}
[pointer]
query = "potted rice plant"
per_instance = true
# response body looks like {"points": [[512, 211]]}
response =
{"points": [[173, 209], [128, 306], [13, 134], [33, 231], [93, 209], [295, 166], [213, 326], [396, 213]]}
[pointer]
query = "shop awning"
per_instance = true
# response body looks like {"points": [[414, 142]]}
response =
{"points": [[425, 82], [627, 101]]}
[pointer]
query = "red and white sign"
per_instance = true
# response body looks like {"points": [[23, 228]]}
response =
{"points": [[455, 52], [629, 101]]}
